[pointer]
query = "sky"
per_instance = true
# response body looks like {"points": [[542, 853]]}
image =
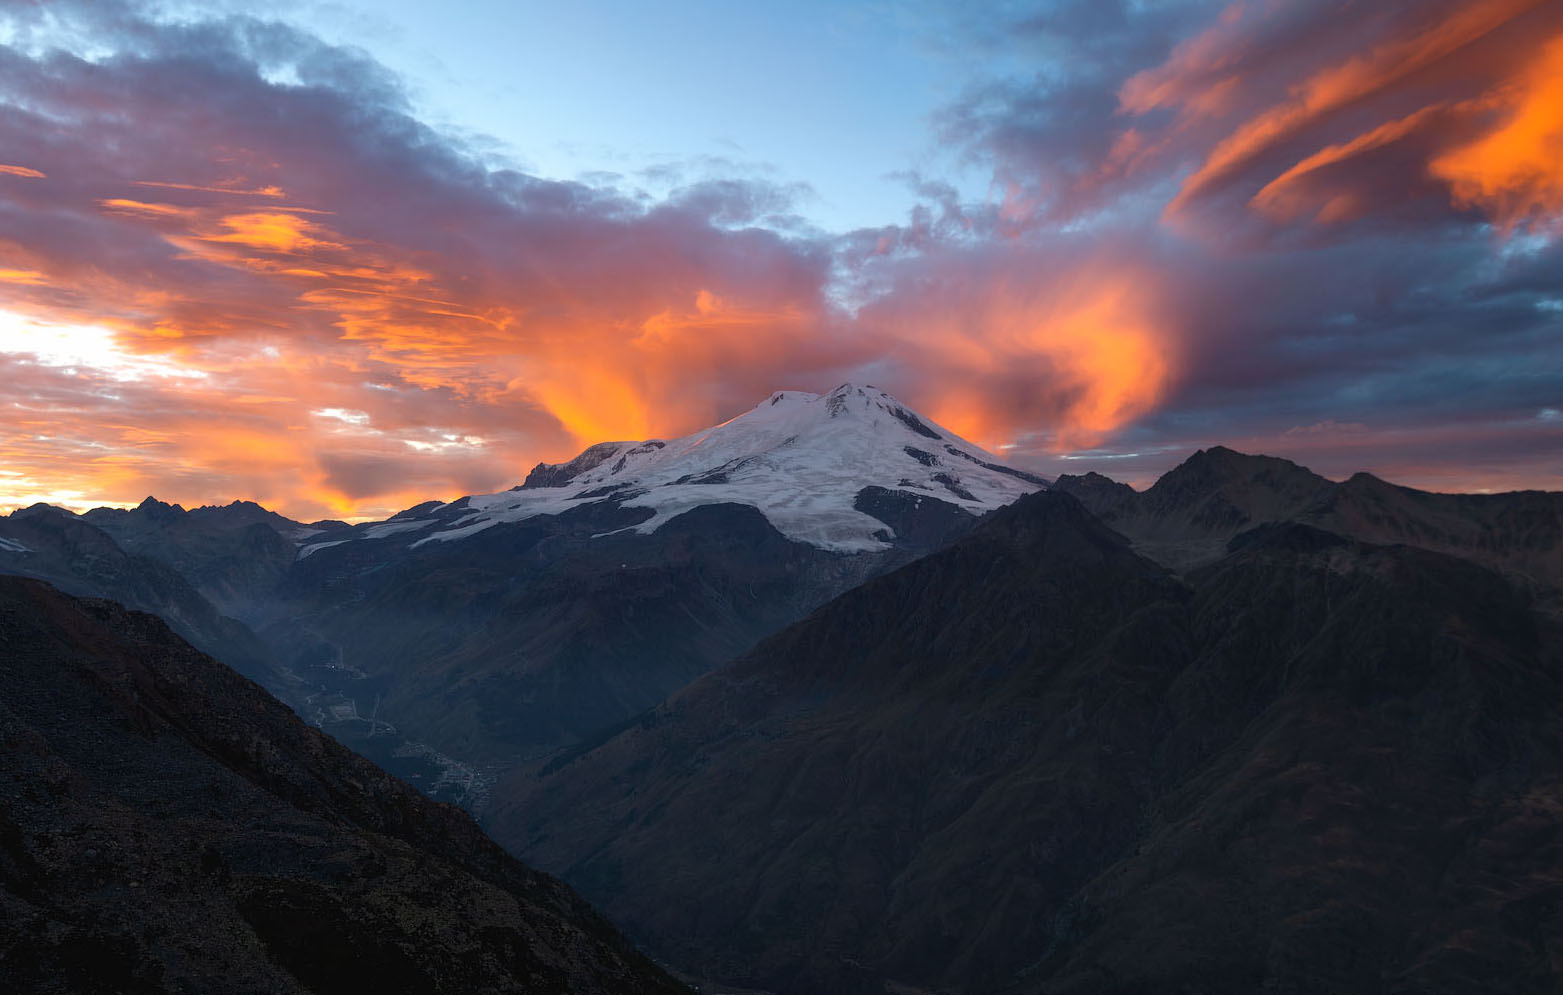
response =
{"points": [[830, 97], [341, 258]]}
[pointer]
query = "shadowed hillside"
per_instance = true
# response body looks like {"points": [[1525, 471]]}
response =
{"points": [[1038, 762], [165, 825]]}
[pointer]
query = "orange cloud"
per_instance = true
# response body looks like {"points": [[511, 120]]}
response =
{"points": [[1198, 74], [91, 433], [20, 171], [1333, 88], [1512, 169], [26, 277], [1076, 357], [1110, 361], [274, 232], [1286, 197], [602, 404], [1421, 71], [142, 207], [1515, 173], [237, 188]]}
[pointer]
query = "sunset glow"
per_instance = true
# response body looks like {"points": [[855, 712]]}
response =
{"points": [[1095, 346], [1515, 173], [231, 270]]}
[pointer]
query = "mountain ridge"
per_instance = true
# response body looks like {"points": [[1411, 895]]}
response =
{"points": [[1187, 517], [74, 554], [992, 769]]}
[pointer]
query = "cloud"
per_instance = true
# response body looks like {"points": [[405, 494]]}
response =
{"points": [[1206, 223], [1414, 110], [1513, 171], [1307, 197], [1332, 88], [314, 229], [1071, 342]]}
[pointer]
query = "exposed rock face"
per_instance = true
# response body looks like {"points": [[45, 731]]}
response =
{"points": [[165, 825], [560, 474], [1037, 762]]}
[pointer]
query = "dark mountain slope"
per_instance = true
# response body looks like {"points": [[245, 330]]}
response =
{"points": [[1375, 809], [53, 545], [165, 825], [1036, 762], [1186, 518], [234, 555], [1519, 534], [540, 632], [1188, 515], [852, 792]]}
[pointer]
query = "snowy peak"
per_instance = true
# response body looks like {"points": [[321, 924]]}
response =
{"points": [[853, 401], [802, 459], [786, 418], [848, 399]]}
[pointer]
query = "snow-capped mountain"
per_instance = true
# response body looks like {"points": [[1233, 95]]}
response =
{"points": [[804, 460]]}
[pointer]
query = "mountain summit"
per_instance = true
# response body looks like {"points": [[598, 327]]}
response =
{"points": [[603, 584], [804, 460]]}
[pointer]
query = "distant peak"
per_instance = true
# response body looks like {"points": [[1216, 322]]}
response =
{"points": [[1365, 481], [1223, 458], [1221, 455], [1092, 479], [416, 511], [41, 508], [153, 506]]}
